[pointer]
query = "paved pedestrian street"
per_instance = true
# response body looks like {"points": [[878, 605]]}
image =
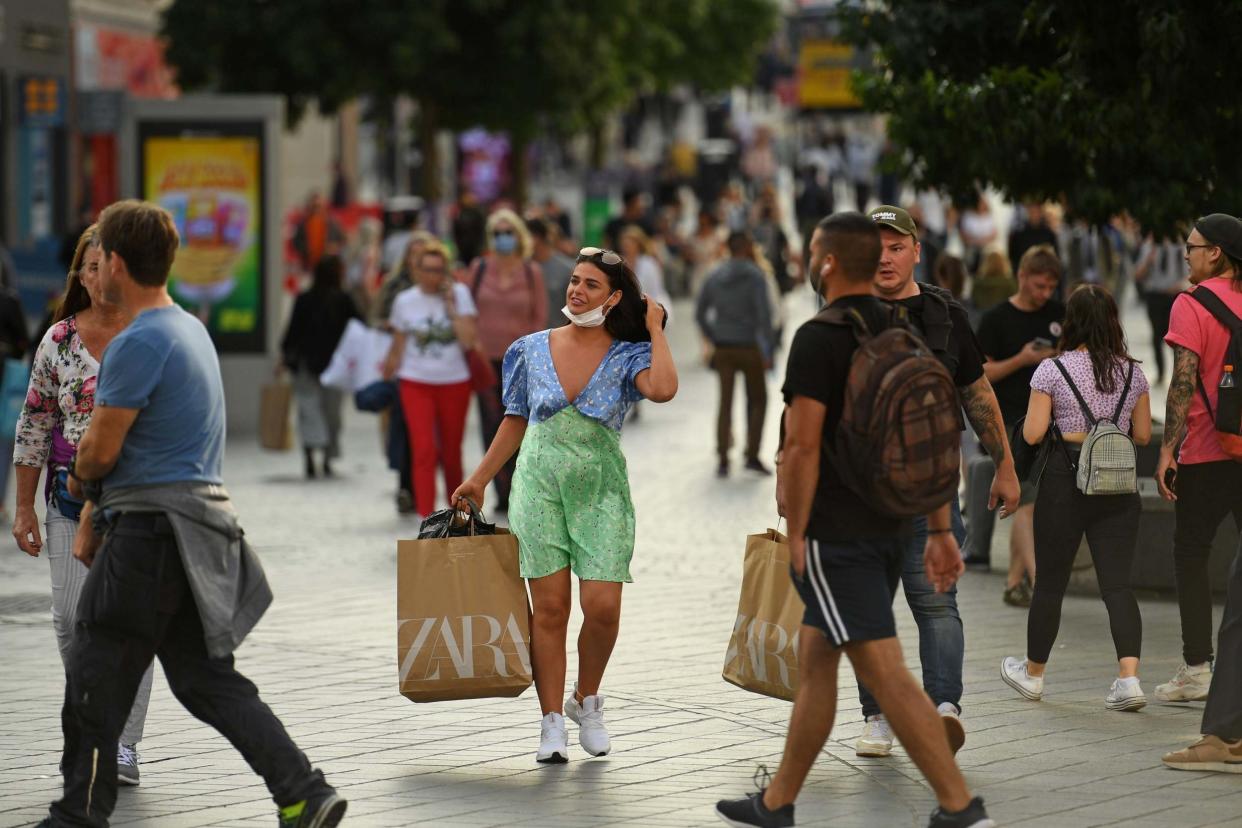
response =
{"points": [[324, 658]]}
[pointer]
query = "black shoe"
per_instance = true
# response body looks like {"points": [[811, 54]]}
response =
{"points": [[973, 816], [723, 469], [310, 465], [405, 501], [979, 563], [323, 811], [327, 468], [755, 465], [751, 811]]}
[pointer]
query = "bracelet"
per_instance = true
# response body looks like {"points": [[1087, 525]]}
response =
{"points": [[939, 531]]}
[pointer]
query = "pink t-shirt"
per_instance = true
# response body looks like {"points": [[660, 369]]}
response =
{"points": [[506, 314], [1066, 412], [1191, 326]]}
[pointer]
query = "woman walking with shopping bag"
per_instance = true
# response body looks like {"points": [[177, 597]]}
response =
{"points": [[1091, 395], [566, 394], [57, 412]]}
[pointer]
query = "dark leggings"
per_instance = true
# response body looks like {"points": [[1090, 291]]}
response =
{"points": [[1062, 515]]}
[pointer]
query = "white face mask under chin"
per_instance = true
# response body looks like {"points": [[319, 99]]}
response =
{"points": [[591, 319]]}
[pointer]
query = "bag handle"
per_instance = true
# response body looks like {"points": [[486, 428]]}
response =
{"points": [[1086, 409], [472, 517]]}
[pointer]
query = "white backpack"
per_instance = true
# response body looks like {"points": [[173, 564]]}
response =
{"points": [[1108, 462]]}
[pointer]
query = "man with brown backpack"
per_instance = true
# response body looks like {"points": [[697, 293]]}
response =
{"points": [[851, 483]]}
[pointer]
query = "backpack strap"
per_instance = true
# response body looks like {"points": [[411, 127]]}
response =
{"points": [[937, 324], [480, 268], [1121, 401], [848, 317], [1217, 307], [1086, 410]]}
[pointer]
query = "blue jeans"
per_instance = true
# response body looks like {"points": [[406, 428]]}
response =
{"points": [[942, 645]]}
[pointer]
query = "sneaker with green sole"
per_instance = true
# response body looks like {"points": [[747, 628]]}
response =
{"points": [[323, 811]]}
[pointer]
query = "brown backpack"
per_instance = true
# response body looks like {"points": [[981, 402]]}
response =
{"points": [[898, 445]]}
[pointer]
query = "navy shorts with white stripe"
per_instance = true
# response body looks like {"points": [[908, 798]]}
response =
{"points": [[848, 588]]}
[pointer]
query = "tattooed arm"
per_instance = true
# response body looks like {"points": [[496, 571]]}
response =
{"points": [[983, 411], [1177, 413]]}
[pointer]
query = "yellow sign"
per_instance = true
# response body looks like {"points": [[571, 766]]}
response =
{"points": [[824, 68], [211, 187]]}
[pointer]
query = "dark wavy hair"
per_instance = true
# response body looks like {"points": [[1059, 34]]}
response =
{"points": [[1091, 319], [627, 320], [76, 299]]}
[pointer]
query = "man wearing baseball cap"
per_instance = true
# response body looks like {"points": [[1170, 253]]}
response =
{"points": [[1205, 485], [946, 327]]}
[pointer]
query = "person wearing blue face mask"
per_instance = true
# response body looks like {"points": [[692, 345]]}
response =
{"points": [[508, 290], [566, 394]]}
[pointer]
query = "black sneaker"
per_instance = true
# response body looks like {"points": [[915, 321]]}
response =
{"points": [[756, 465], [741, 813], [323, 811], [405, 501], [973, 816]]}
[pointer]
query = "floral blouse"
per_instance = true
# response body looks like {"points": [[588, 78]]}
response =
{"points": [[59, 401]]}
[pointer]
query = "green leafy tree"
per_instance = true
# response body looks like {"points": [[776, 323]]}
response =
{"points": [[512, 65], [1122, 106]]}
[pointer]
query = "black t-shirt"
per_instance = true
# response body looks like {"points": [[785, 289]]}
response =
{"points": [[819, 362], [963, 355], [1003, 332]]}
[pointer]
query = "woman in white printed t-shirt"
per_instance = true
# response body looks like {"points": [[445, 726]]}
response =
{"points": [[433, 326]]}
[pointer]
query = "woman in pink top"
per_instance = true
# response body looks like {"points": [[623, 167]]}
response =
{"points": [[1094, 360], [508, 291]]}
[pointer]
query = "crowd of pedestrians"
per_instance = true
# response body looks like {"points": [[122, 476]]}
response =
{"points": [[556, 350]]}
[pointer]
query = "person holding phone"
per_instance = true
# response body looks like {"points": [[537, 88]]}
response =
{"points": [[1016, 336], [433, 325], [1095, 366]]}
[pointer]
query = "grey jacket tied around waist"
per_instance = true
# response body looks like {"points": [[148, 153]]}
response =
{"points": [[225, 575]]}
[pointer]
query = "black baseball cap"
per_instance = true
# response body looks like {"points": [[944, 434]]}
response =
{"points": [[895, 218], [1224, 231]]}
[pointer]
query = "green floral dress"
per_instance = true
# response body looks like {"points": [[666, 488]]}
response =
{"points": [[570, 504]]}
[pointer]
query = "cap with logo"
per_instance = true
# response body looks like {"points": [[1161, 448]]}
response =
{"points": [[1224, 231], [894, 218]]}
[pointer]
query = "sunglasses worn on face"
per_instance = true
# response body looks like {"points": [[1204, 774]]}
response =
{"points": [[608, 257], [500, 233]]}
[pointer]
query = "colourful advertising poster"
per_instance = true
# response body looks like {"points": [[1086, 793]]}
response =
{"points": [[211, 181]]}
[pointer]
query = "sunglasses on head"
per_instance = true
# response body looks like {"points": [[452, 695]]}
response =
{"points": [[608, 257]]}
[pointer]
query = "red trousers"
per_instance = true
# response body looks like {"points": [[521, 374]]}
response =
{"points": [[431, 411]]}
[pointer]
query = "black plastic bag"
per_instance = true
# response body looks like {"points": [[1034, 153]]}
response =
{"points": [[455, 523]]}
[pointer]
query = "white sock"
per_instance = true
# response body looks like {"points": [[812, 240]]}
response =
{"points": [[1130, 681]]}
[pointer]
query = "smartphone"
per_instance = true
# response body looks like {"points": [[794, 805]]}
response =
{"points": [[1043, 344], [1170, 479]]}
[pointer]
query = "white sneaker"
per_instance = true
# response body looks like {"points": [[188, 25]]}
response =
{"points": [[876, 739], [1125, 694], [553, 740], [1013, 672], [950, 715], [1188, 684], [589, 716]]}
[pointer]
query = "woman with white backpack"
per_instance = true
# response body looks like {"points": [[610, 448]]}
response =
{"points": [[1091, 404]]}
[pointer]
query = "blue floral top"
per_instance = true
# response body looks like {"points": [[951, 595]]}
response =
{"points": [[533, 390]]}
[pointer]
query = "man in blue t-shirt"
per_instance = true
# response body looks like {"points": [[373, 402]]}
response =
{"points": [[175, 576]]}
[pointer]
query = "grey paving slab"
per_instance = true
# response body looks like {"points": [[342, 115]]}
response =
{"points": [[324, 659]]}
